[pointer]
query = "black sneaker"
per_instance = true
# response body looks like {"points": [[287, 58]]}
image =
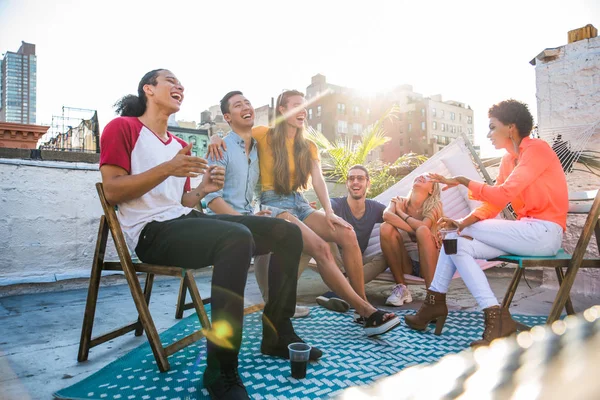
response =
{"points": [[226, 385], [331, 301], [280, 349]]}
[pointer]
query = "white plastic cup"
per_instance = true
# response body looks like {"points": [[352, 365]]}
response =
{"points": [[274, 210]]}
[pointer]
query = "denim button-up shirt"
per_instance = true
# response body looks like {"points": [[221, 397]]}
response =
{"points": [[241, 175]]}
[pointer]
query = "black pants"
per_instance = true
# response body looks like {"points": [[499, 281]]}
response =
{"points": [[228, 242]]}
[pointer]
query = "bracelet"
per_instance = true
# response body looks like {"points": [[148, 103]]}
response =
{"points": [[405, 219]]}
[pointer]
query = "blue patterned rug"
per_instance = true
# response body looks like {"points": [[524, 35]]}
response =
{"points": [[349, 359]]}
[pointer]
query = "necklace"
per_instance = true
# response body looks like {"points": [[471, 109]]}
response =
{"points": [[416, 210]]}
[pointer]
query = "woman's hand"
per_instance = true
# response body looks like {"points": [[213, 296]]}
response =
{"points": [[333, 220], [449, 223], [400, 202], [449, 182], [215, 148]]}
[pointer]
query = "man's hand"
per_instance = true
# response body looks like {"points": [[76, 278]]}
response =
{"points": [[215, 148], [213, 179], [183, 165], [263, 213]]}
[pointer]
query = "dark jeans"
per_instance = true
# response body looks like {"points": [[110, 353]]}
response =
{"points": [[228, 242]]}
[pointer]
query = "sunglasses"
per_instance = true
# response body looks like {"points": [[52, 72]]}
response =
{"points": [[424, 176], [359, 178]]}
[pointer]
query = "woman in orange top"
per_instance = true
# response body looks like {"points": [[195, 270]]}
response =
{"points": [[532, 180], [287, 160]]}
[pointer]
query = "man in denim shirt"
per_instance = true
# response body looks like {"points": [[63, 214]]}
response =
{"points": [[242, 172], [240, 160]]}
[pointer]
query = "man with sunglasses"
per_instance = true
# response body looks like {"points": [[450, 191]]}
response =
{"points": [[362, 214]]}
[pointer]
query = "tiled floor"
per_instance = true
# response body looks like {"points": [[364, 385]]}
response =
{"points": [[39, 332]]}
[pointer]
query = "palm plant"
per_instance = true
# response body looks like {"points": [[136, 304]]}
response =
{"points": [[344, 153]]}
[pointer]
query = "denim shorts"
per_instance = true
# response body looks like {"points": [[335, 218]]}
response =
{"points": [[294, 203]]}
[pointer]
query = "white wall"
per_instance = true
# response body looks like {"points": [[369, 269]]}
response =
{"points": [[568, 94], [49, 216]]}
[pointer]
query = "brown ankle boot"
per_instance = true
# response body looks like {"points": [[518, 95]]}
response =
{"points": [[433, 308], [498, 324]]}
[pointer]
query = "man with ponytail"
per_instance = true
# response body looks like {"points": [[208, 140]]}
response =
{"points": [[146, 172]]}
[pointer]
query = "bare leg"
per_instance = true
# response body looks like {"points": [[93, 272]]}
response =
{"points": [[394, 252], [346, 239], [428, 253], [331, 274]]}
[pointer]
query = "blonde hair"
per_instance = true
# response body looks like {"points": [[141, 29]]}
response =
{"points": [[432, 206], [277, 137]]}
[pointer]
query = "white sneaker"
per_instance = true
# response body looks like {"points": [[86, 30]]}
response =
{"points": [[400, 295], [301, 312]]}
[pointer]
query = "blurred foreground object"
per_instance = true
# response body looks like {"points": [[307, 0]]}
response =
{"points": [[557, 362]]}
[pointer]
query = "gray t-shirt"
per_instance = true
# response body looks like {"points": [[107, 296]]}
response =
{"points": [[363, 226]]}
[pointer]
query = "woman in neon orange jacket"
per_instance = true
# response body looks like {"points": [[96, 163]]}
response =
{"points": [[532, 180]]}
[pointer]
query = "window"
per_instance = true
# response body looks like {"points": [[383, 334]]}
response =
{"points": [[410, 114], [310, 112], [368, 112], [469, 120], [355, 110], [320, 127], [356, 129], [452, 116], [342, 126], [441, 113], [410, 127], [424, 138], [318, 111], [422, 112], [443, 127], [459, 117], [423, 126], [401, 142], [341, 108], [434, 125], [469, 131]]}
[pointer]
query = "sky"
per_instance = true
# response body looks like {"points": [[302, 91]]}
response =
{"points": [[90, 53]]}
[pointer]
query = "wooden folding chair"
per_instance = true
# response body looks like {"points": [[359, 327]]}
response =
{"points": [[141, 298], [572, 262]]}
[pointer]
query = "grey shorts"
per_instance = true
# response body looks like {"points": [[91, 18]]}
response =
{"points": [[416, 268]]}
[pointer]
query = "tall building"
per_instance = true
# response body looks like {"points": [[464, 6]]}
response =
{"points": [[423, 125], [18, 77], [336, 111]]}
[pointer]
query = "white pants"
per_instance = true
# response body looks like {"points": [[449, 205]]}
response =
{"points": [[493, 238]]}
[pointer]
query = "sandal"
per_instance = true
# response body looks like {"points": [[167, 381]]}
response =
{"points": [[375, 324], [357, 319]]}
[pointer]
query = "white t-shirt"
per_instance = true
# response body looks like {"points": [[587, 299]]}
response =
{"points": [[129, 144]]}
